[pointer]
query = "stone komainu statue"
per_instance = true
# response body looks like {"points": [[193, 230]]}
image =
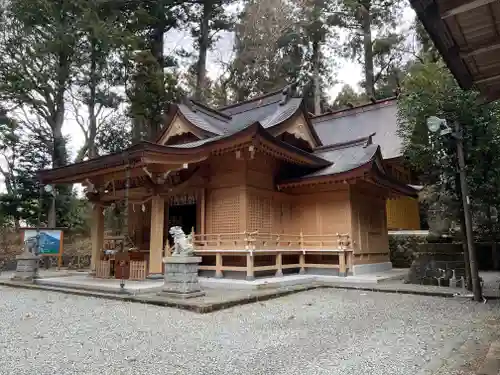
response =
{"points": [[183, 245]]}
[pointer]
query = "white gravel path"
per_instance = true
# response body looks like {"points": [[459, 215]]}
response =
{"points": [[317, 332]]}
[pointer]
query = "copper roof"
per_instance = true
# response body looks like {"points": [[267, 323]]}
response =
{"points": [[378, 119], [467, 35]]}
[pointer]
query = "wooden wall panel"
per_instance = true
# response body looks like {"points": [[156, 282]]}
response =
{"points": [[322, 213], [369, 221], [403, 213], [224, 210], [260, 209], [260, 180]]}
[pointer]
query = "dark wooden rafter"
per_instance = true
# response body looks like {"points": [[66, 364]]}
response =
{"points": [[467, 34], [465, 7]]}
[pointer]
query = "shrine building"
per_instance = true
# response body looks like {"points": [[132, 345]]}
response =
{"points": [[259, 186]]}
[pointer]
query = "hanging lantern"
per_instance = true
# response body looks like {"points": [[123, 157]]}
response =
{"points": [[143, 208]]}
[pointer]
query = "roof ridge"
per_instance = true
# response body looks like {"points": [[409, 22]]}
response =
{"points": [[337, 111], [253, 99], [213, 110], [363, 141]]}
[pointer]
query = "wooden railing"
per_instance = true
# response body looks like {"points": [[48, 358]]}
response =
{"points": [[270, 241], [306, 251]]}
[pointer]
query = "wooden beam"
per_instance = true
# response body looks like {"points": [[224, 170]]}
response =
{"points": [[487, 79], [468, 6], [483, 48]]}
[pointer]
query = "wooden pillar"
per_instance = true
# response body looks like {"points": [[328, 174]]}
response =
{"points": [[342, 268], [279, 264], [250, 272], [96, 236], [202, 211], [302, 263], [156, 238], [218, 266], [349, 259]]}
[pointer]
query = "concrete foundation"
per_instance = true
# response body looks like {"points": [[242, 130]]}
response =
{"points": [[363, 269]]}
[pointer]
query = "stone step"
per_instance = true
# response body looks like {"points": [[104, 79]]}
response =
{"points": [[491, 364]]}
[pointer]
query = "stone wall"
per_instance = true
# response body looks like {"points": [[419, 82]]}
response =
{"points": [[436, 263]]}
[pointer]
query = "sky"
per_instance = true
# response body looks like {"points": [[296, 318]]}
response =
{"points": [[348, 72]]}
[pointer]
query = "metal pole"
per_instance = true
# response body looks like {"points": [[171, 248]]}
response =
{"points": [[52, 211], [463, 234], [39, 219], [476, 285]]}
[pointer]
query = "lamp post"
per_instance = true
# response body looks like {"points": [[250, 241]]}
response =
{"points": [[435, 124], [52, 211]]}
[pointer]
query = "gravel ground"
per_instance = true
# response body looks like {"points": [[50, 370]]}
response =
{"points": [[323, 331]]}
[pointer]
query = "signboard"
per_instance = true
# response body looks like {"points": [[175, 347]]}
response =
{"points": [[50, 241]]}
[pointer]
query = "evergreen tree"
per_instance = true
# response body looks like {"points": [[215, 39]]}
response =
{"points": [[207, 19], [102, 36], [371, 25]]}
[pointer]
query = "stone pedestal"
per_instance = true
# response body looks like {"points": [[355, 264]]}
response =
{"points": [[181, 277], [27, 266]]}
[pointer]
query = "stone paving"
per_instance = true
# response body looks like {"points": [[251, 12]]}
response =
{"points": [[321, 331]]}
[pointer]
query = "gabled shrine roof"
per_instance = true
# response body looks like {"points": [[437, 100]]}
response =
{"points": [[145, 152], [347, 144], [345, 156], [269, 110], [351, 160], [345, 125]]}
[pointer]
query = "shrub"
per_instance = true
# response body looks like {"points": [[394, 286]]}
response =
{"points": [[402, 247]]}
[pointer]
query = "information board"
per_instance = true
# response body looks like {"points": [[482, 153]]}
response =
{"points": [[50, 240]]}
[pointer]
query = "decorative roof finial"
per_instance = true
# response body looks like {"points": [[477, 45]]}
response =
{"points": [[287, 92]]}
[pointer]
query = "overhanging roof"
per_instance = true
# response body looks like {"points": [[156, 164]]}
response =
{"points": [[467, 35], [354, 160], [145, 153], [378, 120]]}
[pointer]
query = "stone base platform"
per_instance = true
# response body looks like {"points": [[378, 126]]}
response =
{"points": [[27, 267], [181, 277]]}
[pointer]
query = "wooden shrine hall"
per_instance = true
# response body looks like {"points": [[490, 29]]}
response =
{"points": [[253, 183]]}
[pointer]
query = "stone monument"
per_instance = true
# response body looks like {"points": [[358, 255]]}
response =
{"points": [[27, 263], [181, 269]]}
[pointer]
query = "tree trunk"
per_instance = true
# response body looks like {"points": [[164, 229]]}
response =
{"points": [[157, 51], [59, 154], [493, 244], [316, 60], [92, 152], [368, 50], [203, 45]]}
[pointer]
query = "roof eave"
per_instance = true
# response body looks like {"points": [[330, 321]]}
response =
{"points": [[137, 153], [428, 13], [341, 177]]}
